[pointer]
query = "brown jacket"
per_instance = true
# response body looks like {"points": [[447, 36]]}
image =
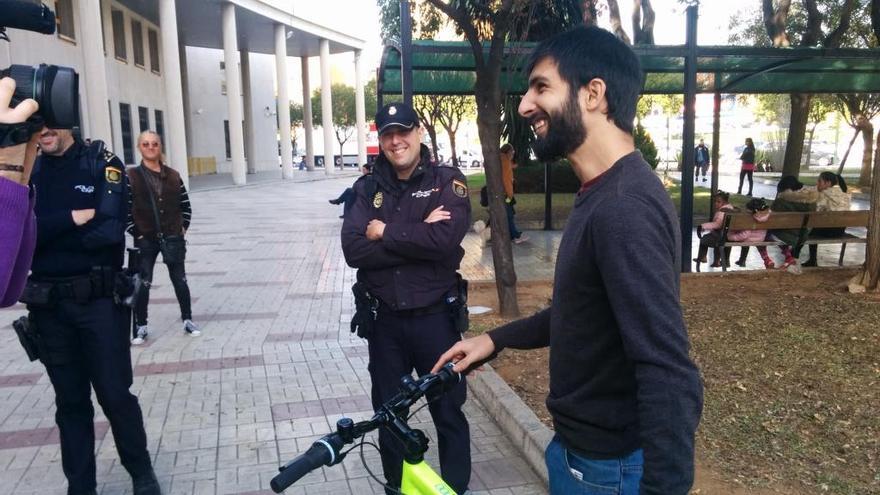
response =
{"points": [[172, 204]]}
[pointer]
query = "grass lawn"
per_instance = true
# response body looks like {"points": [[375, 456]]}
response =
{"points": [[530, 207]]}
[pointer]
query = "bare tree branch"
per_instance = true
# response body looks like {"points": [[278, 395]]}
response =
{"points": [[460, 17], [591, 16], [835, 37]]}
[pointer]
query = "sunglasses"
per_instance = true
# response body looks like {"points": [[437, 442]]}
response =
{"points": [[149, 145]]}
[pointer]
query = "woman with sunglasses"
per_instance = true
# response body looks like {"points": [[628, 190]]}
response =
{"points": [[161, 213]]}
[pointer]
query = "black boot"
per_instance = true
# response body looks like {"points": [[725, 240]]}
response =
{"points": [[146, 484]]}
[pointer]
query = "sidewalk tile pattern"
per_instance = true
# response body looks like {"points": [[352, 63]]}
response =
{"points": [[273, 370]]}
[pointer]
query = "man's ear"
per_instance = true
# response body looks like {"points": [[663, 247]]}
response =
{"points": [[593, 95]]}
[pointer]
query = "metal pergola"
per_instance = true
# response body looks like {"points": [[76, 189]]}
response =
{"points": [[447, 68]]}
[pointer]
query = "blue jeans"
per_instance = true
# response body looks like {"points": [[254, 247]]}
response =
{"points": [[571, 474], [514, 232]]}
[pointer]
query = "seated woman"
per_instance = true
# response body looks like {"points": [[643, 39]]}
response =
{"points": [[791, 195], [832, 197], [710, 232]]}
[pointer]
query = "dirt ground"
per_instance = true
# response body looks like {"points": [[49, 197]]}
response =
{"points": [[791, 376]]}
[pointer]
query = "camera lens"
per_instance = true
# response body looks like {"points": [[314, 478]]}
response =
{"points": [[55, 89]]}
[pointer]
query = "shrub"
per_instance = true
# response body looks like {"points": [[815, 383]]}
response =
{"points": [[646, 145]]}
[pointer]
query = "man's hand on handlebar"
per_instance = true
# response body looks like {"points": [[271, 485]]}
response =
{"points": [[467, 353]]}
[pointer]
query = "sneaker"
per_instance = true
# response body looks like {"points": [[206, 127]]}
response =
{"points": [[191, 328], [704, 179], [146, 484], [768, 264], [741, 263], [334, 201], [141, 336], [810, 263], [521, 239]]}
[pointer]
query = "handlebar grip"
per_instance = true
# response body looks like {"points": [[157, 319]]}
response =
{"points": [[318, 455]]}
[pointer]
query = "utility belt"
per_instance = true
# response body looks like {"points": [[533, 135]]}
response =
{"points": [[47, 291], [367, 308]]}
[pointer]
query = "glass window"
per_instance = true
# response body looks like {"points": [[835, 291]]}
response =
{"points": [[137, 38], [125, 123], [160, 125], [64, 19], [228, 146], [144, 118], [118, 21], [153, 40]]}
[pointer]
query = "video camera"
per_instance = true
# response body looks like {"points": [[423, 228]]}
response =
{"points": [[55, 88]]}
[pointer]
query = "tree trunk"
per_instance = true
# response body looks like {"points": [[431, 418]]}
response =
{"points": [[432, 133], [452, 148], [875, 19], [774, 21], [590, 15], [810, 146], [867, 153], [488, 98], [848, 149], [797, 129], [616, 24], [870, 274]]}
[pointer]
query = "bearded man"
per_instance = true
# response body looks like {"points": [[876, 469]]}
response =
{"points": [[625, 397]]}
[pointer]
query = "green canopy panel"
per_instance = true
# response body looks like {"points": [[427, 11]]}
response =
{"points": [[447, 68]]}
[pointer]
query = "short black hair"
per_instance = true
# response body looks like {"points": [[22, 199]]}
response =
{"points": [[586, 53]]}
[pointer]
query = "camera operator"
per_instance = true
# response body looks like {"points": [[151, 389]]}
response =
{"points": [[17, 229]]}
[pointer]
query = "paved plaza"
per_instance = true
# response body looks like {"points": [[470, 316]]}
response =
{"points": [[275, 367]]}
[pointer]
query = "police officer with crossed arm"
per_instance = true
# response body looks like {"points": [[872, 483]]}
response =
{"points": [[72, 293], [404, 235]]}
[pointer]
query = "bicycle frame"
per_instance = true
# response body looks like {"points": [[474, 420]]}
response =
{"points": [[420, 479]]}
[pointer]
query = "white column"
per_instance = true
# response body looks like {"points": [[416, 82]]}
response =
{"points": [[184, 78], [175, 128], [359, 110], [283, 102], [307, 114], [233, 94], [327, 108], [95, 72], [250, 141]]}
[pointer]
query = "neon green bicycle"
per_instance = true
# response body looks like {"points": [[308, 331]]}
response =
{"points": [[418, 478]]}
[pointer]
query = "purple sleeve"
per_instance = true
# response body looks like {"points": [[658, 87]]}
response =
{"points": [[17, 239]]}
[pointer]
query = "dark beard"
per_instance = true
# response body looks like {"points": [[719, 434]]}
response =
{"points": [[565, 132]]}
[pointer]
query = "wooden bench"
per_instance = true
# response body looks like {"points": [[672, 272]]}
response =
{"points": [[804, 222]]}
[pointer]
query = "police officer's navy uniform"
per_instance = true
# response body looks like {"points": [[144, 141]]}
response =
{"points": [[412, 270], [83, 333]]}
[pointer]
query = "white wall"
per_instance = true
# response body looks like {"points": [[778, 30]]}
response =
{"points": [[208, 108], [125, 82]]}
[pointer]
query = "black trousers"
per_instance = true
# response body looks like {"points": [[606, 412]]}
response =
{"points": [[83, 346], [400, 344], [177, 273], [742, 175]]}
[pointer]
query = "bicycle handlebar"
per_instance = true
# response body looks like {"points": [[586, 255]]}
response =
{"points": [[326, 451]]}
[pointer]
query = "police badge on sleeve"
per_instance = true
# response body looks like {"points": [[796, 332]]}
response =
{"points": [[112, 175], [459, 188]]}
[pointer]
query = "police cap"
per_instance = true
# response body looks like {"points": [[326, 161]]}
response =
{"points": [[396, 116]]}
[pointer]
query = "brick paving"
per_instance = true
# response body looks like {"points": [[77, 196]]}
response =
{"points": [[273, 370]]}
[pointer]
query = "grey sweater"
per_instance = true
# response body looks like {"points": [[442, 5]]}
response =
{"points": [[620, 375]]}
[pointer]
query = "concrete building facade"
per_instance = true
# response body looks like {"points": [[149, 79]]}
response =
{"points": [[189, 70]]}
